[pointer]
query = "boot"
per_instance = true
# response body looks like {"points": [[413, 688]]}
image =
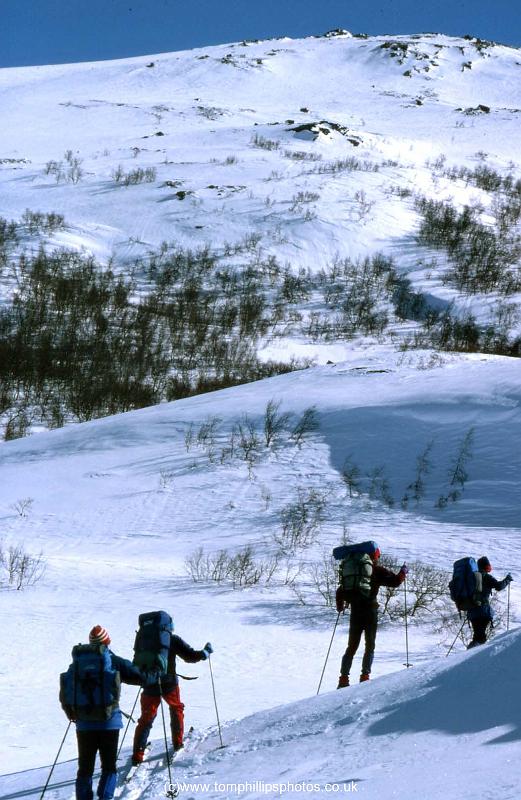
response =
{"points": [[107, 785], [84, 788], [137, 757], [343, 681], [364, 677]]}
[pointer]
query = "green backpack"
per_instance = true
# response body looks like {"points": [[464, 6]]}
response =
{"points": [[356, 571]]}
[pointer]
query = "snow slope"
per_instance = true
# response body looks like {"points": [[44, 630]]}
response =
{"points": [[203, 119], [117, 505], [115, 535], [433, 732]]}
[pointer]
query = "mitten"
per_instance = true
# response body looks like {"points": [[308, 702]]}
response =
{"points": [[207, 650]]}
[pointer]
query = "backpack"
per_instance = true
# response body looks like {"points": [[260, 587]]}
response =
{"points": [[90, 689], [356, 568], [466, 584], [362, 547], [152, 643]]}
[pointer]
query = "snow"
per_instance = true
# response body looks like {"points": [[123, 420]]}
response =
{"points": [[118, 504]]}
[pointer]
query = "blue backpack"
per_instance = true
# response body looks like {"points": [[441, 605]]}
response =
{"points": [[90, 689], [466, 584], [345, 550], [152, 643]]}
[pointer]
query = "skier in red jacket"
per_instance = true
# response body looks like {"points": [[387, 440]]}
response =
{"points": [[364, 618]]}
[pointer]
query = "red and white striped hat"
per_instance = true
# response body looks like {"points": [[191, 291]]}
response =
{"points": [[99, 635]]}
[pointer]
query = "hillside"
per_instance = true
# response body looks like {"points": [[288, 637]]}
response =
{"points": [[315, 146], [343, 201]]}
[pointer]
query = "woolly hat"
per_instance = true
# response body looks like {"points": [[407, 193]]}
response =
{"points": [[99, 635], [484, 564]]}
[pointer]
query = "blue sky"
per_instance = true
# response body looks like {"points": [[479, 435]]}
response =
{"points": [[58, 31]]}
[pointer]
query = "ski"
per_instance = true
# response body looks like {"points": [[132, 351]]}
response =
{"points": [[176, 753], [169, 758], [134, 768]]}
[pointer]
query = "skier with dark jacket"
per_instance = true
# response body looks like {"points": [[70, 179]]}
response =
{"points": [[481, 616], [102, 737], [364, 618], [167, 689]]}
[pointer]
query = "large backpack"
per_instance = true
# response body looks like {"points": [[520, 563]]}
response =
{"points": [[466, 584], [90, 689], [152, 643], [356, 568]]}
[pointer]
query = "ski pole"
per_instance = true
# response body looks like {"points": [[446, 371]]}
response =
{"points": [[129, 720], [406, 627], [215, 701], [328, 652], [457, 637], [56, 760], [508, 607], [170, 792]]}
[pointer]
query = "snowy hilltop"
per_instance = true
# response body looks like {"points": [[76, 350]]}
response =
{"points": [[294, 264]]}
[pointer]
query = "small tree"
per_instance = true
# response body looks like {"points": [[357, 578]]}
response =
{"points": [[20, 567], [458, 474], [274, 422], [306, 425], [351, 476]]}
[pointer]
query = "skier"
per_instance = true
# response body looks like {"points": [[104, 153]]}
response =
{"points": [[102, 734], [364, 617], [166, 688], [481, 616]]}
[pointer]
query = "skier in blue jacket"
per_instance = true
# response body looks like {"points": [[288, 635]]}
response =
{"points": [[102, 737]]}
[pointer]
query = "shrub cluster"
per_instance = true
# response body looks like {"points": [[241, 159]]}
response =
{"points": [[482, 256]]}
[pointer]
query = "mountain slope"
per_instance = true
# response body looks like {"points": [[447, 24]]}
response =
{"points": [[118, 504]]}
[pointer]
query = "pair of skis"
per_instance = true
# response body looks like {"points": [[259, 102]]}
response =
{"points": [[172, 793]]}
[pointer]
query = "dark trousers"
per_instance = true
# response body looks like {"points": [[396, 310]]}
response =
{"points": [[89, 744], [363, 620], [149, 708], [479, 630], [480, 618]]}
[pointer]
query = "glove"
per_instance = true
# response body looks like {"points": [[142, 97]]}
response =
{"points": [[339, 600], [207, 650], [151, 678], [404, 569], [509, 578]]}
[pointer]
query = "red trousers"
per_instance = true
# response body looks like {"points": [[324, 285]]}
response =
{"points": [[149, 708]]}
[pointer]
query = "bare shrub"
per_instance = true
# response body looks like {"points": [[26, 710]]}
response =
{"points": [[458, 474], [23, 506], [20, 568], [324, 577], [426, 588], [134, 176], [265, 144], [247, 440], [243, 568], [351, 476], [416, 489], [274, 422], [300, 521], [305, 426]]}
